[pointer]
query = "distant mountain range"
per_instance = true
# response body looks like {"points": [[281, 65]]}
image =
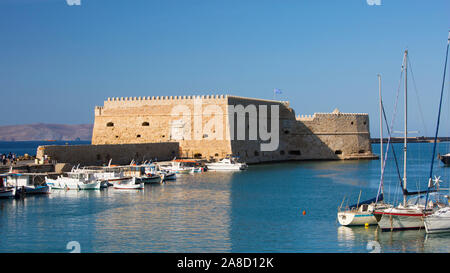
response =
{"points": [[41, 131]]}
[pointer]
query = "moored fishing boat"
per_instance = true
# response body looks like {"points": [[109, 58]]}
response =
{"points": [[75, 181], [45, 189], [227, 164], [28, 183], [93, 185], [7, 192], [128, 184], [168, 175], [183, 166]]}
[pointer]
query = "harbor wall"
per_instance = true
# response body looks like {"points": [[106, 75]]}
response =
{"points": [[98, 155], [192, 122]]}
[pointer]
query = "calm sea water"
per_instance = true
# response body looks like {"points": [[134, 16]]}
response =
{"points": [[259, 210], [29, 147]]}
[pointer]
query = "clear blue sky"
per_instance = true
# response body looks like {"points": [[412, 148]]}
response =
{"points": [[58, 61]]}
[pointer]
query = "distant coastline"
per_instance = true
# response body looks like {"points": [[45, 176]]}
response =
{"points": [[411, 139], [46, 132]]}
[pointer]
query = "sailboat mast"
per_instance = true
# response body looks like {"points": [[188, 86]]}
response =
{"points": [[381, 130], [406, 126]]}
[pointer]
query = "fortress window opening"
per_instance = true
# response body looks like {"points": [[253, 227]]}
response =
{"points": [[110, 124]]}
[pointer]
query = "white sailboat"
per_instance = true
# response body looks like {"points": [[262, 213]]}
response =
{"points": [[410, 213], [439, 221], [361, 214]]}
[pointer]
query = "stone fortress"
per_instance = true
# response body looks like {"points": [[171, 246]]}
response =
{"points": [[204, 127]]}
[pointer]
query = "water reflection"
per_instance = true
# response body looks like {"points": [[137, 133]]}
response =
{"points": [[350, 237], [402, 241], [414, 241], [57, 193], [190, 214]]}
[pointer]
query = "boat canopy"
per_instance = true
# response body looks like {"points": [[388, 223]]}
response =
{"points": [[370, 201], [435, 197]]}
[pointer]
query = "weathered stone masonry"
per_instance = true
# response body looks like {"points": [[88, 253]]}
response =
{"points": [[152, 120]]}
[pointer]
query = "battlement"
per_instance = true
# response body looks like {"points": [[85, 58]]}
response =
{"points": [[336, 112], [159, 98]]}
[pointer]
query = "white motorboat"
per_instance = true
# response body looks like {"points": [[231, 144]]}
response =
{"points": [[183, 166], [168, 175], [7, 192], [94, 185], [150, 178], [128, 184], [75, 181], [226, 164], [54, 183]]}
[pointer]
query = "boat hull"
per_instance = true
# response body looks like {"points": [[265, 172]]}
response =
{"points": [[89, 186], [226, 167], [171, 176], [395, 221], [355, 218], [149, 179], [7, 193], [445, 159], [129, 184], [435, 224], [35, 190]]}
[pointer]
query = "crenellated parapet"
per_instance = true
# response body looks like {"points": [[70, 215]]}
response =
{"points": [[130, 102], [165, 98]]}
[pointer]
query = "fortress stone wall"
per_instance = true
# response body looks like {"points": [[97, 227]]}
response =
{"points": [[98, 155], [203, 126]]}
